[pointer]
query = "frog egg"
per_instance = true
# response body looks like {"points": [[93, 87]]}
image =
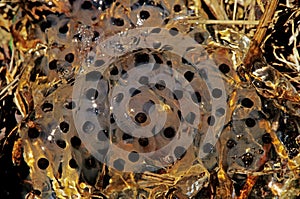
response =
{"points": [[149, 16], [151, 111]]}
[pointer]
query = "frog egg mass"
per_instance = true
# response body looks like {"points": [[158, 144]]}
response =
{"points": [[136, 99]]}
